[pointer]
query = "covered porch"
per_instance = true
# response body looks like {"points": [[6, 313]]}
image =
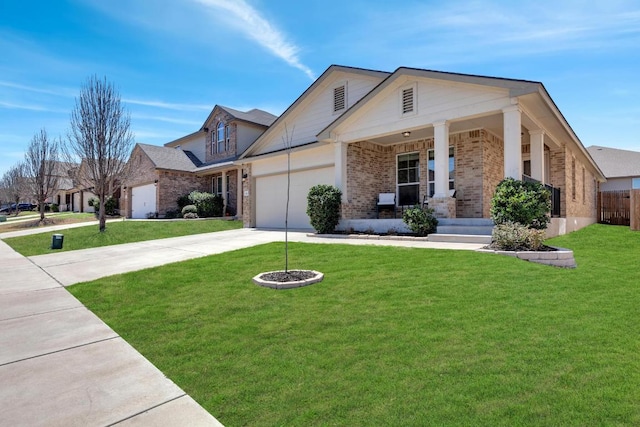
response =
{"points": [[451, 166]]}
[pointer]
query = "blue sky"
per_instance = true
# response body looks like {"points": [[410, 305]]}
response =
{"points": [[173, 60]]}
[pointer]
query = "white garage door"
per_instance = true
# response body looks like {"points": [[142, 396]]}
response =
{"points": [[271, 197], [143, 200]]}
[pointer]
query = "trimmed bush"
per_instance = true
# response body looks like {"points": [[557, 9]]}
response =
{"points": [[55, 207], [190, 211], [209, 205], [171, 214], [420, 221], [511, 236], [527, 203], [323, 208]]}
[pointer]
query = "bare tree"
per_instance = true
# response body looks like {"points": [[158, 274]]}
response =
{"points": [[100, 138], [41, 161], [13, 183]]}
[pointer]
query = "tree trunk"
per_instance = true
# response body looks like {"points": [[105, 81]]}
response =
{"points": [[41, 209], [101, 215]]}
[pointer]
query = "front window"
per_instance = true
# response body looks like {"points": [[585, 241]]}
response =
{"points": [[220, 137], [408, 179], [431, 165], [217, 185], [227, 138]]}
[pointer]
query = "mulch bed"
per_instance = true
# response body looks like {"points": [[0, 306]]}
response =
{"points": [[288, 276]]}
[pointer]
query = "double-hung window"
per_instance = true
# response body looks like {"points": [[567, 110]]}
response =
{"points": [[217, 185], [408, 179], [431, 166], [220, 137]]}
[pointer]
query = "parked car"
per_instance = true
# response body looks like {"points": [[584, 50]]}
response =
{"points": [[21, 207]]}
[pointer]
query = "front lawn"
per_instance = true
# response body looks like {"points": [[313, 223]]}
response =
{"points": [[115, 234], [394, 336]]}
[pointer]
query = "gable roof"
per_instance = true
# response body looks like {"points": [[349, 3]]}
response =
{"points": [[255, 116], [516, 88], [616, 163], [168, 158], [318, 82]]}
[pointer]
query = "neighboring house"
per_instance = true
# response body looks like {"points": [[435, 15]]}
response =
{"points": [[620, 167], [62, 195], [446, 139], [203, 160]]}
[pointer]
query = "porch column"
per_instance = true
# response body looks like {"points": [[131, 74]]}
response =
{"points": [[512, 142], [239, 192], [441, 148], [224, 192], [537, 155], [340, 170]]}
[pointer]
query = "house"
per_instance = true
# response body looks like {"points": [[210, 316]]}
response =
{"points": [[445, 139], [620, 167], [203, 161]]}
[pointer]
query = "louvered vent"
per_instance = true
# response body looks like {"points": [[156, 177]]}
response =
{"points": [[407, 100], [339, 101]]}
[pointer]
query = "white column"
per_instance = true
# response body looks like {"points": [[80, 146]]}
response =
{"points": [[537, 155], [512, 142], [239, 192], [441, 152], [224, 192], [340, 170]]}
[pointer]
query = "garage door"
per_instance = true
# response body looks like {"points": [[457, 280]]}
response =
{"points": [[143, 200], [271, 197]]}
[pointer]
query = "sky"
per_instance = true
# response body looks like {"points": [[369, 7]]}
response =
{"points": [[172, 61]]}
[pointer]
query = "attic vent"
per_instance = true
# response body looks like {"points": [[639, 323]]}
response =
{"points": [[339, 98], [407, 100]]}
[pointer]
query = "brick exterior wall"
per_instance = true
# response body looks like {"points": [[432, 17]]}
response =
{"points": [[142, 172], [172, 184], [233, 131], [493, 169], [479, 167], [557, 176], [232, 178], [247, 195]]}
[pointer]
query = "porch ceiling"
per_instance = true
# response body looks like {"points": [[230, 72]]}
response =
{"points": [[493, 123]]}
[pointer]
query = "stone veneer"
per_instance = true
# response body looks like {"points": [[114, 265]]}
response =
{"points": [[247, 212]]}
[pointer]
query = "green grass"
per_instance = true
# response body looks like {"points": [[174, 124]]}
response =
{"points": [[116, 233], [394, 336]]}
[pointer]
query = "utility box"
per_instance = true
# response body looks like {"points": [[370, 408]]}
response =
{"points": [[57, 241], [3, 218]]}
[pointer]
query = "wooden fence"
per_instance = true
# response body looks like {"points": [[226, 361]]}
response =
{"points": [[614, 207]]}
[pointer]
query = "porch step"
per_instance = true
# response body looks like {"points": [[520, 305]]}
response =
{"points": [[465, 226], [460, 238]]}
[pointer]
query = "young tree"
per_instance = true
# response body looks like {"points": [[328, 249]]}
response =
{"points": [[100, 137], [41, 162], [13, 182]]}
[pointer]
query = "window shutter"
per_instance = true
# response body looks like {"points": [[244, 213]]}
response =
{"points": [[407, 100], [339, 101]]}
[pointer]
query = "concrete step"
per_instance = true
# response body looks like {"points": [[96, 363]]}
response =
{"points": [[464, 229], [460, 238], [473, 222]]}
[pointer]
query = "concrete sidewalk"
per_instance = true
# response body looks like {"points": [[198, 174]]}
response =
{"points": [[60, 365]]}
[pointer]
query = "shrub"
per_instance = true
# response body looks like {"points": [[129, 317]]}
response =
{"points": [[151, 215], [183, 201], [208, 205], [511, 236], [110, 205], [190, 215], [55, 207], [323, 207], [420, 221], [172, 213], [189, 209], [527, 203]]}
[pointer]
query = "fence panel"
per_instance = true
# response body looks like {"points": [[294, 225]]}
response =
{"points": [[614, 207]]}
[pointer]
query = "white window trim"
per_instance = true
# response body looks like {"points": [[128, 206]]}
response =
{"points": [[346, 97], [414, 87], [213, 142], [451, 180]]}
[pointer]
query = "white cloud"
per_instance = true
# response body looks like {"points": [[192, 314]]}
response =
{"points": [[30, 107], [254, 26], [168, 105], [57, 92]]}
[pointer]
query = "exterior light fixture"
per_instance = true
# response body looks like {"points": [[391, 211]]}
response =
{"points": [[406, 133]]}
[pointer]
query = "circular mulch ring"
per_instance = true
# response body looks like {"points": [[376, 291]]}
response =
{"points": [[288, 279]]}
